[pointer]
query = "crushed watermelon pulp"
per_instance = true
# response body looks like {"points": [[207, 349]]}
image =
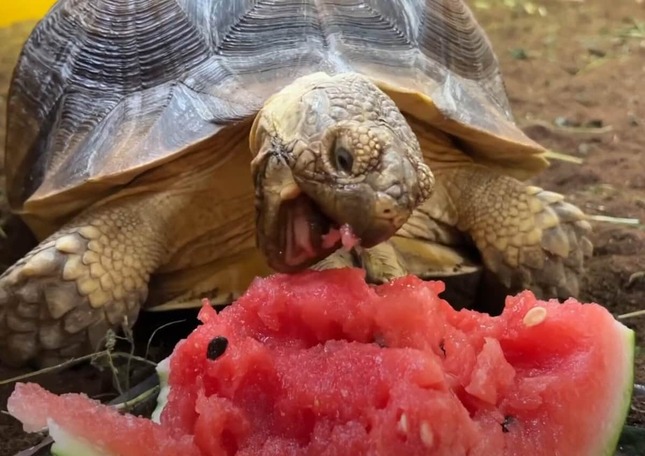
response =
{"points": [[320, 363]]}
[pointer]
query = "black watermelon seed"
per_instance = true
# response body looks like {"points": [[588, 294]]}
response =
{"points": [[442, 346], [508, 420], [216, 347]]}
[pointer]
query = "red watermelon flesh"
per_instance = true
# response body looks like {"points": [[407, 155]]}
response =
{"points": [[320, 363], [94, 425]]}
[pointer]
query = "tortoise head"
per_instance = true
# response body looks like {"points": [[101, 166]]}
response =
{"points": [[330, 151]]}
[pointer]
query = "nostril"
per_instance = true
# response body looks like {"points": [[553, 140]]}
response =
{"points": [[387, 207]]}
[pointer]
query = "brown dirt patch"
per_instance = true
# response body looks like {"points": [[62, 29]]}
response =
{"points": [[582, 63], [566, 62]]}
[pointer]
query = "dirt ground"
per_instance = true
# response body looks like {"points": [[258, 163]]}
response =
{"points": [[574, 72]]}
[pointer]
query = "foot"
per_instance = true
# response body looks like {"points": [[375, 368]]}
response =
{"points": [[62, 297], [381, 263], [529, 237]]}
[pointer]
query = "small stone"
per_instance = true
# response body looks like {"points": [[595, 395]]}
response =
{"points": [[594, 123], [584, 148], [634, 121], [562, 122], [596, 52]]}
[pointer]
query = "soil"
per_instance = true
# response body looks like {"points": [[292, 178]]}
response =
{"points": [[573, 70]]}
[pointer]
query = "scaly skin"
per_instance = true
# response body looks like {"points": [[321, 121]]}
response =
{"points": [[527, 237], [60, 299], [191, 220], [344, 144]]}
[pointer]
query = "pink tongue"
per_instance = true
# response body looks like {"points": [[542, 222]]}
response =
{"points": [[299, 246], [303, 234], [345, 234]]}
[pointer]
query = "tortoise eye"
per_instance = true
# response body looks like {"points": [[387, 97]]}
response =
{"points": [[343, 159]]}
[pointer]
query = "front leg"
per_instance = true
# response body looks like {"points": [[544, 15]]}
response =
{"points": [[381, 263], [528, 237], [61, 298]]}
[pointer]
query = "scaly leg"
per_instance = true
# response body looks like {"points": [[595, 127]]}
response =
{"points": [[61, 298], [528, 237], [381, 263]]}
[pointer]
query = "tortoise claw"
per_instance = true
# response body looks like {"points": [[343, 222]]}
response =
{"points": [[381, 263], [56, 303], [552, 264]]}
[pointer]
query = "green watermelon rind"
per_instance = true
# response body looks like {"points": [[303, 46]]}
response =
{"points": [[624, 405], [163, 372], [66, 444]]}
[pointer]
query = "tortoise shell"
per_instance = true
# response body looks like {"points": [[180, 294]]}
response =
{"points": [[107, 89]]}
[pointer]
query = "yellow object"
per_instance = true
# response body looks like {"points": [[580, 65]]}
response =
{"points": [[12, 11]]}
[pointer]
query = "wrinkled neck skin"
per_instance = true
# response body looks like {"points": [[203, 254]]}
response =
{"points": [[331, 152]]}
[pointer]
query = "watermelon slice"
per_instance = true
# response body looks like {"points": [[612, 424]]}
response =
{"points": [[81, 426], [320, 363]]}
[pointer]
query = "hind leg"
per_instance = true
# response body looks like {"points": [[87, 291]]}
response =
{"points": [[61, 298]]}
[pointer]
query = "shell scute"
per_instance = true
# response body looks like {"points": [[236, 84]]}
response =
{"points": [[102, 86]]}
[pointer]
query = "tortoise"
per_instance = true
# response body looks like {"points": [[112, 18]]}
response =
{"points": [[166, 151]]}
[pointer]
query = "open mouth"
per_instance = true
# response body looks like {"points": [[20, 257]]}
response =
{"points": [[308, 235]]}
